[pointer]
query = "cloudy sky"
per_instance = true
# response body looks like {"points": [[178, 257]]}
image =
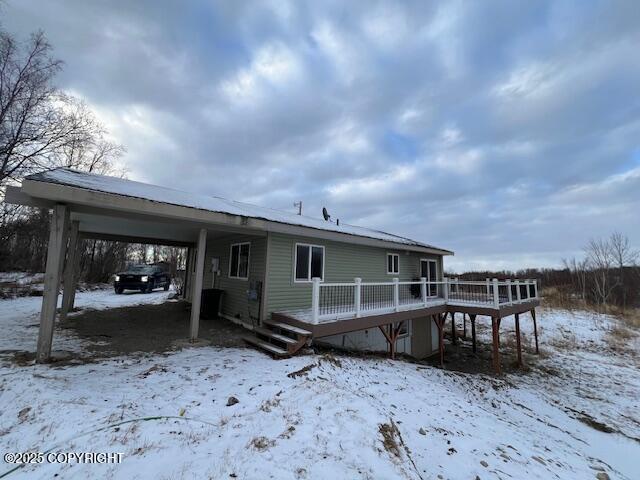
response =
{"points": [[507, 131]]}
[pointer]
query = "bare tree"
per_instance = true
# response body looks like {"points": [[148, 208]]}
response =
{"points": [[42, 128], [601, 261], [88, 150], [623, 256], [32, 122], [578, 270]]}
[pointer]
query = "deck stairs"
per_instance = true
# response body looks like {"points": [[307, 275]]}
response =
{"points": [[278, 338]]}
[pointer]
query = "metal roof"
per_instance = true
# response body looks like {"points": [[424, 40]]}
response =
{"points": [[155, 193]]}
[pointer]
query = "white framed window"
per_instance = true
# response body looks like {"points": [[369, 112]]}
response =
{"points": [[239, 260], [393, 264], [308, 262], [405, 329]]}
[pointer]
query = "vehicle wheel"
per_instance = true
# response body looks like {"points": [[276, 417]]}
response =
{"points": [[149, 287], [119, 290], [166, 286]]}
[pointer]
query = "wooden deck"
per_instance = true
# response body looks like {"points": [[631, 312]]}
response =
{"points": [[301, 318]]}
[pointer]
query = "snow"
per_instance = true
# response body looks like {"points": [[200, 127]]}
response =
{"points": [[325, 422], [155, 193]]}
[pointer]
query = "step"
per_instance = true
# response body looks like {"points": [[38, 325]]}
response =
{"points": [[269, 347], [289, 328], [276, 336]]}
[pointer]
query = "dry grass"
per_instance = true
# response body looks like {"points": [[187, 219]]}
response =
{"points": [[390, 436], [561, 298]]}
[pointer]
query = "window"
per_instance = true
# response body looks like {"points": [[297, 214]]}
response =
{"points": [[309, 262], [239, 261], [404, 329], [393, 263]]}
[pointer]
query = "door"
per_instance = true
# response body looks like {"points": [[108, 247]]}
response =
{"points": [[429, 270]]}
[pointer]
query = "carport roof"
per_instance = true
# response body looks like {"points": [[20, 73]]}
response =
{"points": [[169, 196]]}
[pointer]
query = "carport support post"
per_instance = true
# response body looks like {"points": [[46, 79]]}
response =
{"points": [[197, 284], [188, 280], [70, 271], [55, 260]]}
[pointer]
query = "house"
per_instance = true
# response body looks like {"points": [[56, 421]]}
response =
{"points": [[291, 279]]}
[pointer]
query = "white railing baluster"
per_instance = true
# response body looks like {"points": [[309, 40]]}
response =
{"points": [[445, 288], [357, 295], [343, 300], [396, 294], [315, 299]]}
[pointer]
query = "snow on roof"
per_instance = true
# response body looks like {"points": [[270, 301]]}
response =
{"points": [[155, 193]]}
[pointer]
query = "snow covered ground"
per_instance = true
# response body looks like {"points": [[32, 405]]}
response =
{"points": [[320, 416]]}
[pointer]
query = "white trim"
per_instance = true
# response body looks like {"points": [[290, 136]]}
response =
{"points": [[392, 263], [295, 261], [239, 245], [265, 282], [430, 280]]}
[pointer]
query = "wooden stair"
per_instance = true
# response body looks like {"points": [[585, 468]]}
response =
{"points": [[278, 338]]}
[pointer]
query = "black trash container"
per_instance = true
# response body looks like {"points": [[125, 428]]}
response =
{"points": [[210, 303]]}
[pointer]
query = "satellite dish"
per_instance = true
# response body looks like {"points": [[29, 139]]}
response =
{"points": [[325, 214]]}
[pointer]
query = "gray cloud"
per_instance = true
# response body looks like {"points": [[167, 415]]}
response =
{"points": [[505, 131]]}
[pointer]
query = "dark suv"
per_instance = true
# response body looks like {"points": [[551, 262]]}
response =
{"points": [[142, 277]]}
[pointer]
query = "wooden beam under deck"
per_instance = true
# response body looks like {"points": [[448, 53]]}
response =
{"points": [[437, 314], [364, 323]]}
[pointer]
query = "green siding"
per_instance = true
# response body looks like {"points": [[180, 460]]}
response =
{"points": [[343, 263], [234, 301]]}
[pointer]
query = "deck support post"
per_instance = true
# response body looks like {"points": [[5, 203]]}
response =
{"points": [[535, 328], [391, 334], [70, 271], [453, 328], [464, 326], [197, 285], [495, 329], [472, 317], [518, 344], [58, 232]]}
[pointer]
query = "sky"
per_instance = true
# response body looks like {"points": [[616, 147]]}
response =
{"points": [[506, 131]]}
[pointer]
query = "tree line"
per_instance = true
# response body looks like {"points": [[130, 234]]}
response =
{"points": [[42, 128], [606, 274]]}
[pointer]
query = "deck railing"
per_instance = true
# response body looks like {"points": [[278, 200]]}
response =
{"points": [[355, 299]]}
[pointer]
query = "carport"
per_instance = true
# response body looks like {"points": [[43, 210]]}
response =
{"points": [[157, 216]]}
